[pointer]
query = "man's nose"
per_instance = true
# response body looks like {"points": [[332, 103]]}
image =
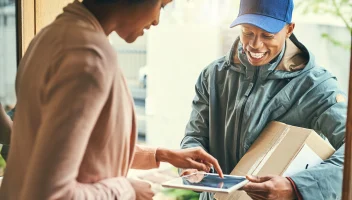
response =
{"points": [[256, 43]]}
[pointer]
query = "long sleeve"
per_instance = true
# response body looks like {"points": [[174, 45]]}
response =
{"points": [[72, 101], [329, 118], [5, 127], [144, 158], [5, 147], [197, 129]]}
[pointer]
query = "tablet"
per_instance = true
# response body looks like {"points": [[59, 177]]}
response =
{"points": [[207, 182]]}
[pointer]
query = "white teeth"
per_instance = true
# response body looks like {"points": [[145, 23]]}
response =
{"points": [[257, 55]]}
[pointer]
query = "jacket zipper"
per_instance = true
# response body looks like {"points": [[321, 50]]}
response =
{"points": [[243, 105]]}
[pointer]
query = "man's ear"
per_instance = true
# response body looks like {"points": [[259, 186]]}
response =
{"points": [[290, 28]]}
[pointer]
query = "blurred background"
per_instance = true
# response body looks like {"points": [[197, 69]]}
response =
{"points": [[162, 66]]}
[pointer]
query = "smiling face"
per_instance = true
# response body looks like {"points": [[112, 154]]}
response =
{"points": [[260, 46], [138, 17]]}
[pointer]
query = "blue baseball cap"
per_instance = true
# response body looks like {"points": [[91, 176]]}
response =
{"points": [[269, 15]]}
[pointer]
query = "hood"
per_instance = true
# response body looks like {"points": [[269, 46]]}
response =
{"points": [[291, 62]]}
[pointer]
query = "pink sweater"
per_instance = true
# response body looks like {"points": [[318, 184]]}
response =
{"points": [[74, 131]]}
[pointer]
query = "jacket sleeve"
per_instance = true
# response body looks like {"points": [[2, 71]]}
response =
{"points": [[328, 113], [5, 147], [72, 100], [144, 158], [197, 129], [5, 127]]}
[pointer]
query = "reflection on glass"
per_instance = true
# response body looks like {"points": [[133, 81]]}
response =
{"points": [[8, 59], [7, 53]]}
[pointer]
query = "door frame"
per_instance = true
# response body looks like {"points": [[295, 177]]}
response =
{"points": [[347, 176]]}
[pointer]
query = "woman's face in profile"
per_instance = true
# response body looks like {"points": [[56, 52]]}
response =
{"points": [[139, 17]]}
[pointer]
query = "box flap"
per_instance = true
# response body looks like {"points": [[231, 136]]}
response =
{"points": [[305, 159], [270, 136], [314, 141], [286, 151]]}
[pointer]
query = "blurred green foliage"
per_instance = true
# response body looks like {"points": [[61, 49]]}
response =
{"points": [[2, 164], [179, 194], [341, 9]]}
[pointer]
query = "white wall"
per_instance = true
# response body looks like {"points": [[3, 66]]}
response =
{"points": [[333, 58], [130, 56], [176, 56]]}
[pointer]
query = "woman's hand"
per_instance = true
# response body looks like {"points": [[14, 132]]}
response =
{"points": [[191, 158], [143, 189]]}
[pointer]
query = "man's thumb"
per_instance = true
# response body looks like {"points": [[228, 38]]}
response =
{"points": [[257, 179]]}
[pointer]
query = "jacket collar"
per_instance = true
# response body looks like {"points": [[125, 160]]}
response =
{"points": [[292, 60]]}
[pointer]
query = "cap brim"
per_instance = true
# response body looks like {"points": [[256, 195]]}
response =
{"points": [[268, 24]]}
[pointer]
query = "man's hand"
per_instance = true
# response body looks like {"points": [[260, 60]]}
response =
{"points": [[143, 189], [269, 187], [193, 158]]}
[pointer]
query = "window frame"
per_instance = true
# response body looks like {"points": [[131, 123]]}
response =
{"points": [[25, 11], [347, 180]]}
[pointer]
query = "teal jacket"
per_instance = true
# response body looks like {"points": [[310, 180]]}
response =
{"points": [[234, 101], [5, 148]]}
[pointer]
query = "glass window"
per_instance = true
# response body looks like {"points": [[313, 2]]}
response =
{"points": [[7, 52], [8, 57], [132, 60]]}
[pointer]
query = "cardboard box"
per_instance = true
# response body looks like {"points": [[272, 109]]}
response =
{"points": [[283, 150]]}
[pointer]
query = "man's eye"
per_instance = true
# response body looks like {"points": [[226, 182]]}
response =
{"points": [[268, 36], [247, 34]]}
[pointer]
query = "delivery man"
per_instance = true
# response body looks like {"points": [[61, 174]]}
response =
{"points": [[268, 76]]}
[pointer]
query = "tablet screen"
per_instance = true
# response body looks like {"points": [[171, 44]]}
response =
{"points": [[212, 180], [201, 181]]}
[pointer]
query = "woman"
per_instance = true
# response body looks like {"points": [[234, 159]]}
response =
{"points": [[74, 131]]}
